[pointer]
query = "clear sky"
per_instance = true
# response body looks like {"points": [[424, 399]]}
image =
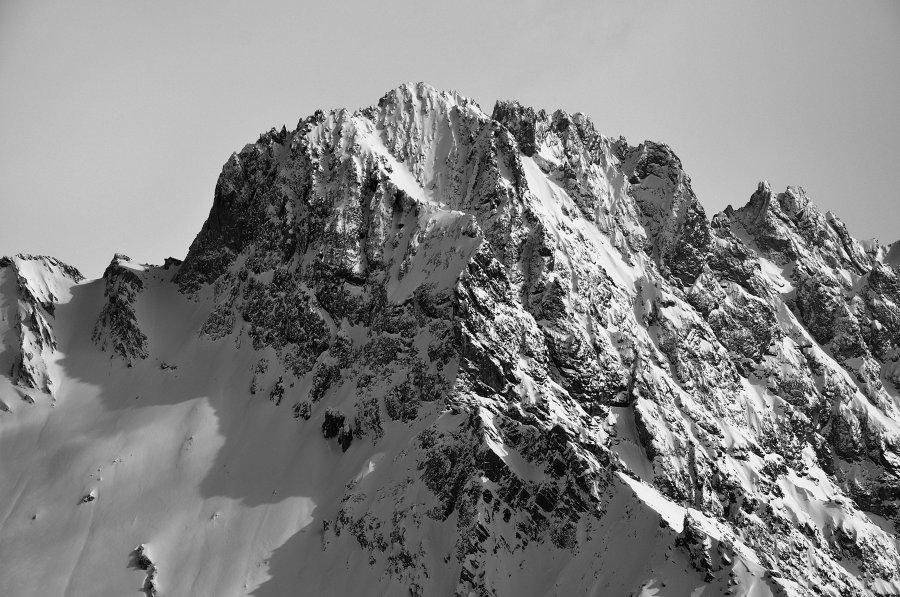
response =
{"points": [[116, 116]]}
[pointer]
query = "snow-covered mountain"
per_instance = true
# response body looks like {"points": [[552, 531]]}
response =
{"points": [[417, 349]]}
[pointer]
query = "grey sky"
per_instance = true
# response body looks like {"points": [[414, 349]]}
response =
{"points": [[116, 116]]}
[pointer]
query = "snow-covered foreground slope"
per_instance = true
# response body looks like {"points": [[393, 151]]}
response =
{"points": [[417, 349]]}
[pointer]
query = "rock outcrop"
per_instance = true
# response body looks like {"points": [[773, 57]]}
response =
{"points": [[117, 329], [32, 288]]}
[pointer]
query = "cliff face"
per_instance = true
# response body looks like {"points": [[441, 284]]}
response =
{"points": [[554, 371], [566, 295]]}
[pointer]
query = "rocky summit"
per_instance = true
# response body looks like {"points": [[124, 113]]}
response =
{"points": [[420, 349]]}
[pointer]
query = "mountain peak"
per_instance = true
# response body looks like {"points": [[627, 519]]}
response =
{"points": [[420, 96], [476, 354], [790, 227]]}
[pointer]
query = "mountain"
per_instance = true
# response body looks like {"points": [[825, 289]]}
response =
{"points": [[417, 349]]}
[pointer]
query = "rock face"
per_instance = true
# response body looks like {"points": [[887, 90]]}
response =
{"points": [[31, 287], [117, 330], [140, 559], [543, 343], [555, 313]]}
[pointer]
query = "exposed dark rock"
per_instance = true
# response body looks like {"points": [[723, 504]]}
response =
{"points": [[334, 421], [140, 560], [117, 329]]}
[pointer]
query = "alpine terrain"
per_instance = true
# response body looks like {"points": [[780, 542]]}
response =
{"points": [[421, 349]]}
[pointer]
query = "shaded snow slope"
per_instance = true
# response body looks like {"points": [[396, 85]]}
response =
{"points": [[418, 349]]}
